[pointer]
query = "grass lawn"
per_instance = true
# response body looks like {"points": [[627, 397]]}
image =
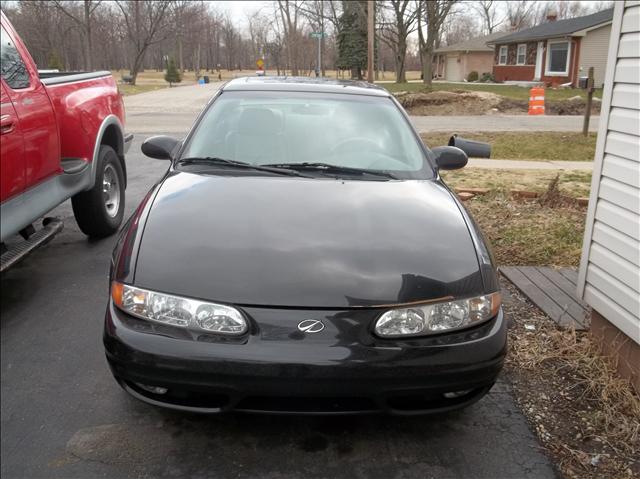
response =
{"points": [[543, 145], [126, 89], [509, 91], [150, 80], [523, 232]]}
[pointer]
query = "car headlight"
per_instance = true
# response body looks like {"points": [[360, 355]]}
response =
{"points": [[177, 310], [437, 317]]}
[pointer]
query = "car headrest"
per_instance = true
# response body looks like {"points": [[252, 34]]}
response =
{"points": [[259, 121]]}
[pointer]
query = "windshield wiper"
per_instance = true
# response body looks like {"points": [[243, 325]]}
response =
{"points": [[214, 160], [329, 168]]}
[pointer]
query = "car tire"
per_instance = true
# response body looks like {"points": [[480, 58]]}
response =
{"points": [[99, 211]]}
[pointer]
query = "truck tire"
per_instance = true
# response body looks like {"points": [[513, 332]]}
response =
{"points": [[99, 211]]}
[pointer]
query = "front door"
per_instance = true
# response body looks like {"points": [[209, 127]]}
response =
{"points": [[452, 72], [34, 111], [539, 55]]}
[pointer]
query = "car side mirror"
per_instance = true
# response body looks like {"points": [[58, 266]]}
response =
{"points": [[449, 157], [159, 147]]}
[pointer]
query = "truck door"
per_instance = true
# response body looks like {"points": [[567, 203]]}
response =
{"points": [[11, 149], [34, 113]]}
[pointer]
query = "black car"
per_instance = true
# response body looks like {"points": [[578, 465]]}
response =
{"points": [[302, 255]]}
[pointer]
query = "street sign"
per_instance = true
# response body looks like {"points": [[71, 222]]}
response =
{"points": [[260, 63], [317, 34]]}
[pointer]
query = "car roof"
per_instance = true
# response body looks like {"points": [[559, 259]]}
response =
{"points": [[304, 84]]}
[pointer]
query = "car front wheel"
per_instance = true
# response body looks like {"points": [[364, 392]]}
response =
{"points": [[99, 211]]}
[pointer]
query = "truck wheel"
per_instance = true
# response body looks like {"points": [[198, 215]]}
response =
{"points": [[99, 211]]}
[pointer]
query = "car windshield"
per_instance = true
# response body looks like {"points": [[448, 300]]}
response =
{"points": [[288, 128]]}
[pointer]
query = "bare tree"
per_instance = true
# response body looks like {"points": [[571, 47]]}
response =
{"points": [[521, 13], [403, 16], [321, 15], [84, 22], [459, 27], [431, 14], [146, 24], [563, 9], [289, 14], [488, 10]]}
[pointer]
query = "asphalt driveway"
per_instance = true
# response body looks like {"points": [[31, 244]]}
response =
{"points": [[62, 414]]}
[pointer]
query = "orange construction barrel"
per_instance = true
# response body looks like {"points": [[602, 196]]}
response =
{"points": [[536, 101]]}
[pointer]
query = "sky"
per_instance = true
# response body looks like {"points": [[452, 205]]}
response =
{"points": [[240, 8]]}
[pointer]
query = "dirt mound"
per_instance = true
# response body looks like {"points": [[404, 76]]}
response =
{"points": [[571, 106], [457, 102], [464, 102]]}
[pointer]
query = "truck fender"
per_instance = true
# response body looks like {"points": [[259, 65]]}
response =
{"points": [[110, 133]]}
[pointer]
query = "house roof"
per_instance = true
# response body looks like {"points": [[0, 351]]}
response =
{"points": [[478, 44], [558, 28]]}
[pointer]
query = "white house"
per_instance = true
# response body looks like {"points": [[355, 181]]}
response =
{"points": [[609, 276]]}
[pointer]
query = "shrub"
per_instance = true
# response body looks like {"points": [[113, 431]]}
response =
{"points": [[487, 77], [172, 75], [472, 76]]}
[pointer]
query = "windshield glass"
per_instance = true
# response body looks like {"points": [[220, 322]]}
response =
{"points": [[269, 128]]}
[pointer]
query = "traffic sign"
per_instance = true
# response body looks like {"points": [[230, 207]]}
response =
{"points": [[260, 63], [317, 34]]}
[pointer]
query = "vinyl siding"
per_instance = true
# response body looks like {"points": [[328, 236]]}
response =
{"points": [[594, 50], [609, 276]]}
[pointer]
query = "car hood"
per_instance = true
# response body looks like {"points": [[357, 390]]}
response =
{"points": [[288, 241]]}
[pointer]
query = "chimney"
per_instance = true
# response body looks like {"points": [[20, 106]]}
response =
{"points": [[552, 15]]}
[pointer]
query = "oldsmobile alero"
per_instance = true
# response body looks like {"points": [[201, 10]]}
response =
{"points": [[303, 255]]}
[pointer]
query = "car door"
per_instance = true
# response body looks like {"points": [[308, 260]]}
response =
{"points": [[11, 149], [34, 111]]}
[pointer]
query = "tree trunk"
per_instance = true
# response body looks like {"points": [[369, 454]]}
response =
{"points": [[137, 65], [401, 55], [87, 32], [180, 60]]}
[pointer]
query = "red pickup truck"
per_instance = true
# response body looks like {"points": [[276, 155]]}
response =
{"points": [[62, 136]]}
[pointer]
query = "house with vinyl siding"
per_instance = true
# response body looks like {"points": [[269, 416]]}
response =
{"points": [[455, 62], [609, 275], [556, 52]]}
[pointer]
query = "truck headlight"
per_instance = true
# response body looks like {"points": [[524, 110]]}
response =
{"points": [[178, 311], [437, 317]]}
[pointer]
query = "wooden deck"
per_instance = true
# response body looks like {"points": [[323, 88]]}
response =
{"points": [[553, 291]]}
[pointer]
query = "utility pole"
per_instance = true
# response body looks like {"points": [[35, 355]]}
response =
{"points": [[370, 38]]}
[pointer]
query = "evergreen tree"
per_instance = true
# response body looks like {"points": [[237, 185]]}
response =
{"points": [[172, 75], [54, 62], [352, 38]]}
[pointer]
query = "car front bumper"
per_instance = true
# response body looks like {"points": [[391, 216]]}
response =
{"points": [[276, 368]]}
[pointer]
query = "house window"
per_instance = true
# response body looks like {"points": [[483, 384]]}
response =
{"points": [[558, 54], [522, 54], [502, 56]]}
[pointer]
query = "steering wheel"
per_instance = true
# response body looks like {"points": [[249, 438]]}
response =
{"points": [[355, 144]]}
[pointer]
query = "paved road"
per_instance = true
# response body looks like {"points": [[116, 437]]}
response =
{"points": [[173, 110], [63, 416]]}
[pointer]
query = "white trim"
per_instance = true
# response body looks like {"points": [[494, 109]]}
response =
{"points": [[518, 54], [539, 54], [506, 55], [548, 59], [598, 159]]}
